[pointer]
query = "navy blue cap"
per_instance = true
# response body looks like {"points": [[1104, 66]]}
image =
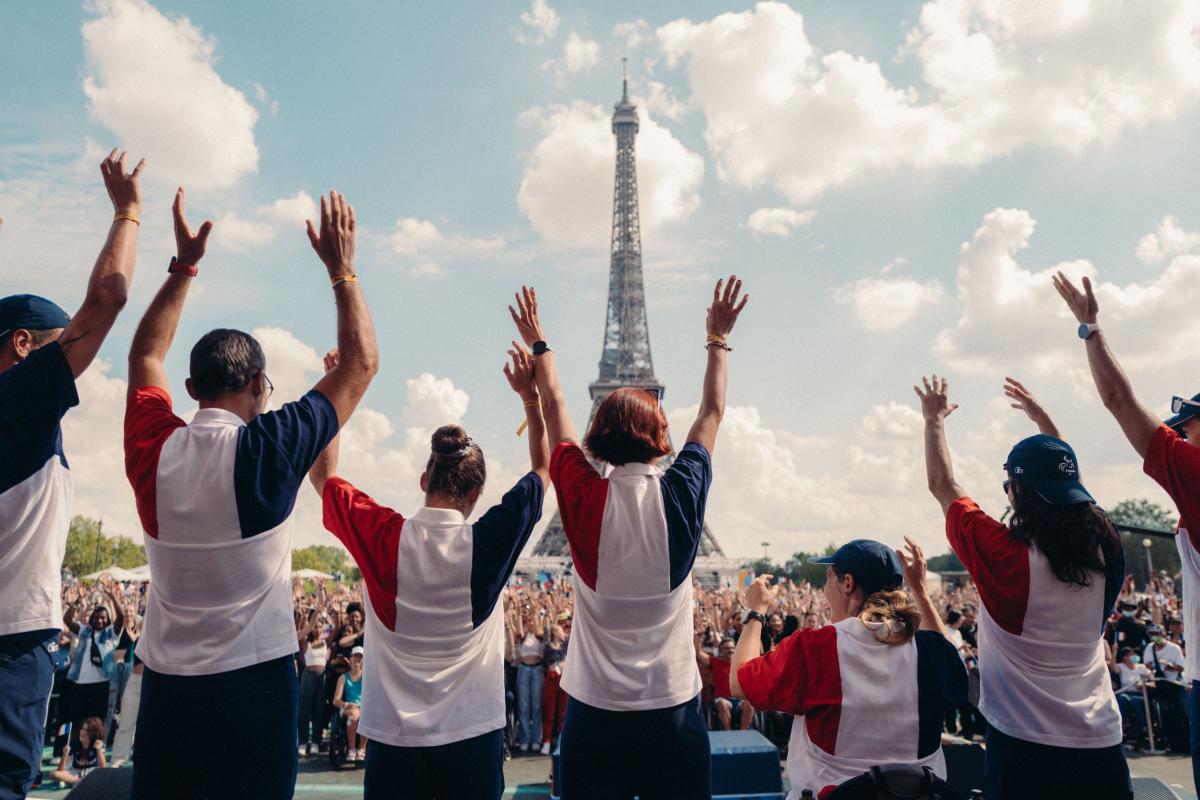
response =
{"points": [[1185, 413], [30, 312], [874, 565], [1048, 466]]}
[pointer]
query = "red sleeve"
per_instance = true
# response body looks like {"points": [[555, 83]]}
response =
{"points": [[797, 673], [581, 495], [371, 533], [1175, 466], [149, 422], [998, 563]]}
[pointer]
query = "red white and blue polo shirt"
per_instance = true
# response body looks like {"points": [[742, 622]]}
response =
{"points": [[215, 499], [1043, 676], [1175, 465], [434, 660], [35, 489], [633, 537], [862, 702]]}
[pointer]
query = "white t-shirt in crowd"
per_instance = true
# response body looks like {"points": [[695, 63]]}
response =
{"points": [[1169, 656], [1131, 675]]}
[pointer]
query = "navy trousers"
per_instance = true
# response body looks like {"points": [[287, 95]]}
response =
{"points": [[223, 735], [472, 768], [616, 755], [1015, 769], [26, 677]]}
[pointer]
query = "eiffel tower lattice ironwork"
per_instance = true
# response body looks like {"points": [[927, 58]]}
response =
{"points": [[625, 360]]}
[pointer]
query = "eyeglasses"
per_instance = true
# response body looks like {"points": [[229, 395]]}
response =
{"points": [[1177, 404], [270, 386], [1006, 485]]}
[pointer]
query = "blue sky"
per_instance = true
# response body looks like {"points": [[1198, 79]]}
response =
{"points": [[874, 141]]}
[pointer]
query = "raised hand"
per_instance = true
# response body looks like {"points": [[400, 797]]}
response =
{"points": [[520, 372], [1082, 304], [331, 360], [760, 594], [725, 308], [123, 189], [1024, 400], [935, 404], [189, 247], [333, 241], [914, 564], [525, 315]]}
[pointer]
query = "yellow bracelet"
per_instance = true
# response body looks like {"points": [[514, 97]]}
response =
{"points": [[531, 403], [129, 217], [340, 279]]}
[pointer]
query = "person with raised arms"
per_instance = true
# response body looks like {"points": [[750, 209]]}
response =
{"points": [[1170, 452], [215, 498], [1048, 580], [633, 724], [42, 353], [433, 691], [869, 689]]}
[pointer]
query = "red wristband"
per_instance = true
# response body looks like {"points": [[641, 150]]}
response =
{"points": [[190, 270]]}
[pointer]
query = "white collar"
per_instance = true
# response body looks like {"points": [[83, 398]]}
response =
{"points": [[439, 516], [634, 468], [217, 416]]}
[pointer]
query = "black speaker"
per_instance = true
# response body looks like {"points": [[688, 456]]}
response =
{"points": [[112, 783], [964, 766], [1152, 789]]}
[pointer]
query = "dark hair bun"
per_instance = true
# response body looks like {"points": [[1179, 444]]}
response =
{"points": [[449, 440]]}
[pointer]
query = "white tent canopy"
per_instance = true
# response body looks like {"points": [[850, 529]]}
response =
{"points": [[120, 574], [313, 574]]}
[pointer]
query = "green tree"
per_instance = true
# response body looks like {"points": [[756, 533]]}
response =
{"points": [[1145, 514], [326, 558], [88, 549], [946, 562]]}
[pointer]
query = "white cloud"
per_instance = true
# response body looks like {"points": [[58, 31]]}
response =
{"points": [[660, 100], [542, 20], [237, 233], [1151, 323], [884, 304], [1001, 74], [778, 221], [1168, 240], [578, 55], [151, 81], [633, 34], [264, 97], [566, 188], [424, 247]]}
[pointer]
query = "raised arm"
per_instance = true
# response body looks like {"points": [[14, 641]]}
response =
{"points": [[722, 316], [559, 427], [108, 286], [69, 618], [935, 407], [1136, 421], [914, 575], [760, 596], [157, 329], [520, 378], [118, 615], [358, 360], [1023, 399], [325, 467]]}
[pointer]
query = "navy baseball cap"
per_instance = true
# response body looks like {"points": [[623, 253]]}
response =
{"points": [[1184, 410], [30, 312], [1048, 465], [874, 565]]}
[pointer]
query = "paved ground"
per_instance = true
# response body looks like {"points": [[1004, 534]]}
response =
{"points": [[527, 777]]}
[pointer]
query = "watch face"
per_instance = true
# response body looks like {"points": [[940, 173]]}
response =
{"points": [[1084, 330]]}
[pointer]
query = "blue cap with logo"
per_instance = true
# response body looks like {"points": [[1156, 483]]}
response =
{"points": [[1047, 465], [873, 564], [30, 312], [1184, 410]]}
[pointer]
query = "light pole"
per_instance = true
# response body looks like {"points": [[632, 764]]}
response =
{"points": [[1149, 562], [766, 546]]}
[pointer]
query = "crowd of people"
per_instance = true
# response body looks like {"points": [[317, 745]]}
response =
{"points": [[624, 667]]}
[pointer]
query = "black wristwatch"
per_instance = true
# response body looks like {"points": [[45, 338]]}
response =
{"points": [[540, 347], [752, 614]]}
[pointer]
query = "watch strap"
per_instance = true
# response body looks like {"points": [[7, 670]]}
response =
{"points": [[752, 615], [191, 270], [540, 347]]}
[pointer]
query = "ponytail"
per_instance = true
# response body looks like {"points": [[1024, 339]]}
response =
{"points": [[891, 616], [455, 467]]}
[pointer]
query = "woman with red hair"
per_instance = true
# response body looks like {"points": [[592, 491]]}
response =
{"points": [[633, 723]]}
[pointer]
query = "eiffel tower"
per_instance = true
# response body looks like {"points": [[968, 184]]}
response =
{"points": [[625, 360]]}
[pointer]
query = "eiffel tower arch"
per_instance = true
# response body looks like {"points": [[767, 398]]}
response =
{"points": [[625, 360]]}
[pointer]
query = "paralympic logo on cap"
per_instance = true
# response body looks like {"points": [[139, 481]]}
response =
{"points": [[1068, 466]]}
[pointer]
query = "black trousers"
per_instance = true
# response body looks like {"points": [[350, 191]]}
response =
{"points": [[472, 768]]}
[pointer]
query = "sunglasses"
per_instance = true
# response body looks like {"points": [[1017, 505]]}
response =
{"points": [[1006, 485], [1178, 403]]}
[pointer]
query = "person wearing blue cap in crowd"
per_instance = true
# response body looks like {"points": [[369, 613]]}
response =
{"points": [[871, 688], [1047, 581], [1170, 451], [42, 352]]}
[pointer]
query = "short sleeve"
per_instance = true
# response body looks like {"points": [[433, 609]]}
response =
{"points": [[34, 396], [685, 490], [998, 563], [371, 532], [941, 686], [581, 497], [1175, 466], [274, 453], [498, 538], [780, 680], [149, 422], [719, 667]]}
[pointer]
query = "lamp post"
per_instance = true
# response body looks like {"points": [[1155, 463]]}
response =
{"points": [[1149, 562], [766, 554]]}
